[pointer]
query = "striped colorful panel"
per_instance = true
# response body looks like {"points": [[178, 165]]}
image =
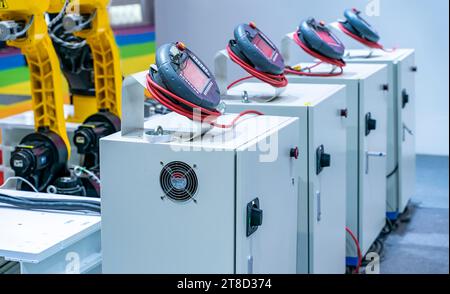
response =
{"points": [[137, 48]]}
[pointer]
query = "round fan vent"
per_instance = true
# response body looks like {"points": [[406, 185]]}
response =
{"points": [[178, 181]]}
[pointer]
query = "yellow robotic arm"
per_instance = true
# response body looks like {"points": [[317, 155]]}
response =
{"points": [[41, 156], [23, 26], [89, 20]]}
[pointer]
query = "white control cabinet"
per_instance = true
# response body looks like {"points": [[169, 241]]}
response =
{"points": [[223, 202], [322, 168], [367, 98], [401, 163]]}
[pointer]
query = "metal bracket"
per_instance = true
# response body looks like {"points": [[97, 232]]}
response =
{"points": [[285, 47], [133, 104]]}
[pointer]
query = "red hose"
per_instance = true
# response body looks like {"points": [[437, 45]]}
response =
{"points": [[203, 114], [238, 81], [235, 120], [363, 41], [358, 248], [277, 81]]}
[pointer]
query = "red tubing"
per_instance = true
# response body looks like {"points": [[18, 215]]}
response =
{"points": [[277, 81], [202, 114], [358, 248]]}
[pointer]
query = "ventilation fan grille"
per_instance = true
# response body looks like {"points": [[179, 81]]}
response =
{"points": [[178, 181]]}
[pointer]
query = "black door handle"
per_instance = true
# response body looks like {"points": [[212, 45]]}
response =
{"points": [[254, 216], [322, 159], [371, 124], [405, 98]]}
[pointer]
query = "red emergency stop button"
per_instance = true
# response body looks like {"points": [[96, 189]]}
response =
{"points": [[181, 46]]}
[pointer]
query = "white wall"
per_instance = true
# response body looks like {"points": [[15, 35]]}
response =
{"points": [[207, 25]]}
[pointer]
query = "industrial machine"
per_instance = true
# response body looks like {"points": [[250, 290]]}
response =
{"points": [[202, 194], [198, 187], [401, 157], [90, 58], [401, 160], [322, 112], [367, 98], [322, 184], [77, 65], [42, 156], [368, 91], [89, 86], [320, 109]]}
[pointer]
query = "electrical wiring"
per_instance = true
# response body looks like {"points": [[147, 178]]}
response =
{"points": [[19, 179], [363, 41], [25, 29], [58, 40], [50, 204], [277, 81], [188, 109], [358, 248], [78, 170], [236, 119], [392, 172], [59, 16], [87, 22], [239, 81]]}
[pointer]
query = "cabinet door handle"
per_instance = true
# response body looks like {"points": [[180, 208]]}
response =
{"points": [[372, 154], [250, 264], [319, 206]]}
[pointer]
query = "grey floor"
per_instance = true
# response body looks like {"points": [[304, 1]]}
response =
{"points": [[421, 245]]}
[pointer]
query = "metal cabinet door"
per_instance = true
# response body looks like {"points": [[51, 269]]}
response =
{"points": [[372, 200], [327, 185], [407, 162], [272, 248]]}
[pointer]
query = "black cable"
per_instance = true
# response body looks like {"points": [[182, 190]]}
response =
{"points": [[392, 172], [50, 204]]}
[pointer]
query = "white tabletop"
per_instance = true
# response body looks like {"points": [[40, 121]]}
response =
{"points": [[32, 236]]}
